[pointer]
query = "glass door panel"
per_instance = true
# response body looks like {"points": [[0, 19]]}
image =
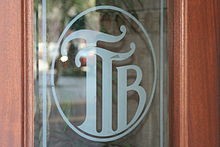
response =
{"points": [[101, 73]]}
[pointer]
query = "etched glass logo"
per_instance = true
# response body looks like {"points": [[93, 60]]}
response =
{"points": [[88, 129]]}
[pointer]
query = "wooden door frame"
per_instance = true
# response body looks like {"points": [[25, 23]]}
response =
{"points": [[194, 73], [16, 76]]}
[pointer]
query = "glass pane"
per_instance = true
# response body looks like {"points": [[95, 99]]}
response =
{"points": [[101, 73]]}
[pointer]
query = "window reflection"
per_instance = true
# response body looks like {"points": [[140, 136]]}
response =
{"points": [[70, 80]]}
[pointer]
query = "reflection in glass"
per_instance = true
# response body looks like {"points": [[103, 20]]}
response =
{"points": [[90, 73]]}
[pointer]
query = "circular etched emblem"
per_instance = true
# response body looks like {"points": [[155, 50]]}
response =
{"points": [[91, 51]]}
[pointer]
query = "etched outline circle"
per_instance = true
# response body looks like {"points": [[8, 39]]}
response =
{"points": [[144, 112]]}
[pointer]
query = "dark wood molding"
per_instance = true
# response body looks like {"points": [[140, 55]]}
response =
{"points": [[177, 10], [194, 73]]}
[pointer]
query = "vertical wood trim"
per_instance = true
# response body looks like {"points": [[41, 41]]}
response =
{"points": [[28, 82], [16, 76], [182, 69], [10, 74], [203, 76], [177, 10], [194, 73]]}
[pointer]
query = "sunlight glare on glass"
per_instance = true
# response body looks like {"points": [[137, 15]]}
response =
{"points": [[64, 58]]}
